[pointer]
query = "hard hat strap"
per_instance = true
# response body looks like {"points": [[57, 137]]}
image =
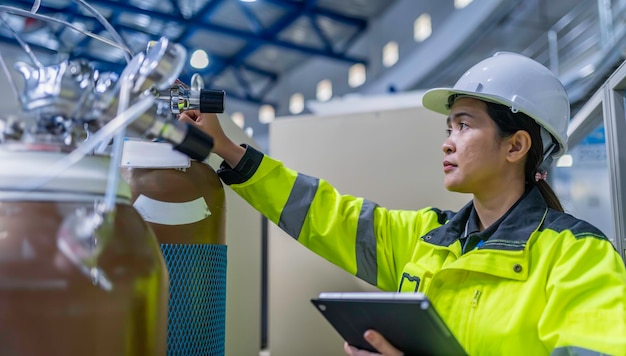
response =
{"points": [[547, 157]]}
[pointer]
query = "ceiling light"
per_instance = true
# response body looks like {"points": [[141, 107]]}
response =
{"points": [[199, 59], [324, 90], [422, 28], [357, 75], [587, 70], [390, 54], [296, 103], [565, 161], [266, 114], [459, 4], [238, 119], [248, 0]]}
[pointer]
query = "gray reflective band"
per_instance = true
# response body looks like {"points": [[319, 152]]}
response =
{"points": [[298, 204], [574, 351], [366, 263]]}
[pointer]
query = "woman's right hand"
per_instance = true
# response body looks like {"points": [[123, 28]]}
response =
{"points": [[377, 341], [209, 124]]}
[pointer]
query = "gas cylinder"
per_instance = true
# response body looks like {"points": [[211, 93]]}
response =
{"points": [[66, 291], [183, 201]]}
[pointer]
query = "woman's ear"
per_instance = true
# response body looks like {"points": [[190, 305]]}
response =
{"points": [[518, 145]]}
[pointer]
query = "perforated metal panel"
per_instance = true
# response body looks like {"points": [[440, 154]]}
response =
{"points": [[197, 304]]}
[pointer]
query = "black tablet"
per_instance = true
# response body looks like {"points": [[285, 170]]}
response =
{"points": [[407, 320]]}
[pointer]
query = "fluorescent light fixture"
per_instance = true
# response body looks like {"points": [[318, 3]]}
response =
{"points": [[565, 161], [296, 103], [391, 54], [422, 28], [199, 59], [459, 4], [357, 75], [266, 114], [587, 70], [238, 119], [324, 90]]}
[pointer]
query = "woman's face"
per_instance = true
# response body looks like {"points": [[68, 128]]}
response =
{"points": [[474, 155]]}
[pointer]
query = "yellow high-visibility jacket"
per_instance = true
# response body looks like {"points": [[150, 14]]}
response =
{"points": [[536, 282]]}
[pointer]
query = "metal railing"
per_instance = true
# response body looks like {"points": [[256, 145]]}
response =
{"points": [[584, 46]]}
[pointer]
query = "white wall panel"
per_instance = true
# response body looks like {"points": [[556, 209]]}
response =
{"points": [[243, 276], [393, 158]]}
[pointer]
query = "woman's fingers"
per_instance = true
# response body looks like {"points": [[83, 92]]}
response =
{"points": [[381, 344], [377, 341], [353, 351]]}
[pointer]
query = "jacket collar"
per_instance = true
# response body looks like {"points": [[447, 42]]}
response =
{"points": [[510, 232]]}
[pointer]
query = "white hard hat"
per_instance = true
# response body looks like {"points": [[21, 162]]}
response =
{"points": [[521, 84]]}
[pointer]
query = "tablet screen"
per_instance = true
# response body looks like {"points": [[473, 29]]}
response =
{"points": [[407, 320]]}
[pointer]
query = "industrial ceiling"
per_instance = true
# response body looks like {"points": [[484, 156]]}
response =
{"points": [[249, 44]]}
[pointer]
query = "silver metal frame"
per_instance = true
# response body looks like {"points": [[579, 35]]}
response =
{"points": [[615, 123], [586, 119], [609, 100]]}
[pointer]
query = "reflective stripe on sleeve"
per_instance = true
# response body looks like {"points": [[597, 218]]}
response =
{"points": [[298, 204], [366, 265]]}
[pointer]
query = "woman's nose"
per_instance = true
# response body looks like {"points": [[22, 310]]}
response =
{"points": [[447, 146]]}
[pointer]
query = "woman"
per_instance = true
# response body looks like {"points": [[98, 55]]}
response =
{"points": [[510, 273]]}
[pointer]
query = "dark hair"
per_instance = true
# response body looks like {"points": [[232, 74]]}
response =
{"points": [[507, 124]]}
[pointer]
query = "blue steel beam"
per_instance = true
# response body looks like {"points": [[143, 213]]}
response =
{"points": [[211, 6], [233, 32], [265, 90], [175, 7], [267, 37], [336, 16], [270, 75], [219, 60], [253, 21], [242, 82], [272, 32], [204, 12], [49, 11], [351, 40], [318, 31]]}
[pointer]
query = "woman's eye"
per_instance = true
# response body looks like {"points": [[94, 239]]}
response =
{"points": [[458, 127]]}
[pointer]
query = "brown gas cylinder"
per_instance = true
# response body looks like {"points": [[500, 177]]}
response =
{"points": [[185, 207], [54, 302]]}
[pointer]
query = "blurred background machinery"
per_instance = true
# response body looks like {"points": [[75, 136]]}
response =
{"points": [[81, 269]]}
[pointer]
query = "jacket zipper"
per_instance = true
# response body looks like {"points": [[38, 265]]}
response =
{"points": [[475, 298], [470, 329]]}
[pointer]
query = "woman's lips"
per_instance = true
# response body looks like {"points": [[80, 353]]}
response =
{"points": [[448, 166]]}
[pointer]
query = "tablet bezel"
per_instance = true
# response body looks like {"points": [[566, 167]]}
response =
{"points": [[407, 320]]}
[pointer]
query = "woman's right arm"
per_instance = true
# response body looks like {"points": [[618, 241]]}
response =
{"points": [[355, 234]]}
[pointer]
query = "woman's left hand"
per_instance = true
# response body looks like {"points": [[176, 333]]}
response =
{"points": [[377, 341]]}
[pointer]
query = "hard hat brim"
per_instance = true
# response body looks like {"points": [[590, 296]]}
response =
{"points": [[437, 99]]}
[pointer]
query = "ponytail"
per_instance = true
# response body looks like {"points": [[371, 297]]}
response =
{"points": [[549, 196]]}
